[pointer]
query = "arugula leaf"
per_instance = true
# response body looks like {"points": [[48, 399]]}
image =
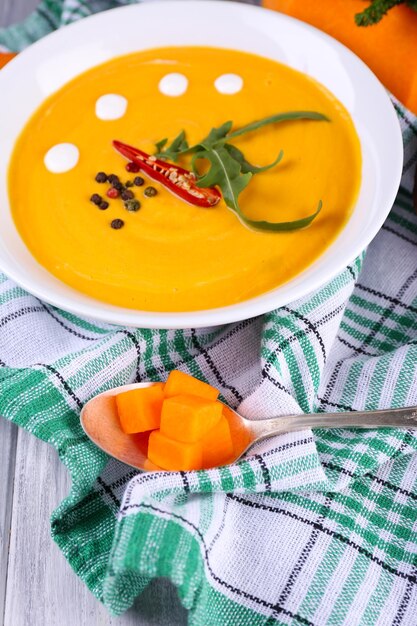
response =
{"points": [[224, 172], [238, 155], [222, 134], [216, 135], [280, 117], [160, 144], [229, 169], [280, 226], [172, 152]]}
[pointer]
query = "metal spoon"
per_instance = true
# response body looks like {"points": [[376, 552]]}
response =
{"points": [[101, 424]]}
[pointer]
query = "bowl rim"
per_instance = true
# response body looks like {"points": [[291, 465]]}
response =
{"points": [[263, 303]]}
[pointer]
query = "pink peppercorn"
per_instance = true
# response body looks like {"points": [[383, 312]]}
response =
{"points": [[112, 192]]}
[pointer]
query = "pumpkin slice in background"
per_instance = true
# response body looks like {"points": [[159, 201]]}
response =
{"points": [[5, 57], [389, 47]]}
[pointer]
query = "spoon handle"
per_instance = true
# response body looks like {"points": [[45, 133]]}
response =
{"points": [[387, 418]]}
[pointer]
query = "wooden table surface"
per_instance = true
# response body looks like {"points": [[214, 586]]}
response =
{"points": [[37, 586]]}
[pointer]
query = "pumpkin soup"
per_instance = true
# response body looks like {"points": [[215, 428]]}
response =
{"points": [[114, 231]]}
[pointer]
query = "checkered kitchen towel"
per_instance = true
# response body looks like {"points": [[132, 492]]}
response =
{"points": [[315, 529]]}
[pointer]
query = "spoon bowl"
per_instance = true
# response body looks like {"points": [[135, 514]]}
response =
{"points": [[100, 422]]}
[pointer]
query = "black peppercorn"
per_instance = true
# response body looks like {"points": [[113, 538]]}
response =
{"points": [[103, 205], [113, 179], [138, 180], [96, 198], [116, 224], [127, 195], [101, 177], [150, 192]]}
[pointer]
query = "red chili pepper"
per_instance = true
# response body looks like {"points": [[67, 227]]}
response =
{"points": [[178, 180]]}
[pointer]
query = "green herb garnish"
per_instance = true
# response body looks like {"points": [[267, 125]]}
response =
{"points": [[378, 8], [229, 169]]}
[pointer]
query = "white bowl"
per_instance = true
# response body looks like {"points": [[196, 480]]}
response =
{"points": [[45, 66]]}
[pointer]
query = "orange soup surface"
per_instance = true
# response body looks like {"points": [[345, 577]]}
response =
{"points": [[170, 255]]}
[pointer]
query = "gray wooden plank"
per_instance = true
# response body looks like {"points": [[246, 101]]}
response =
{"points": [[8, 439], [42, 589], [10, 11]]}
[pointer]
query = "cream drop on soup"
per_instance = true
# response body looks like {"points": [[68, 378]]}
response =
{"points": [[164, 254]]}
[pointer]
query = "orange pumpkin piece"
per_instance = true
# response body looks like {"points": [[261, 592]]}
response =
{"points": [[217, 445], [140, 409], [179, 383], [151, 467], [388, 47], [174, 455], [188, 418], [5, 57]]}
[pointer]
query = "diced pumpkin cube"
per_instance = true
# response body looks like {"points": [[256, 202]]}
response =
{"points": [[217, 445], [140, 409], [173, 455], [179, 383], [151, 467], [188, 418]]}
